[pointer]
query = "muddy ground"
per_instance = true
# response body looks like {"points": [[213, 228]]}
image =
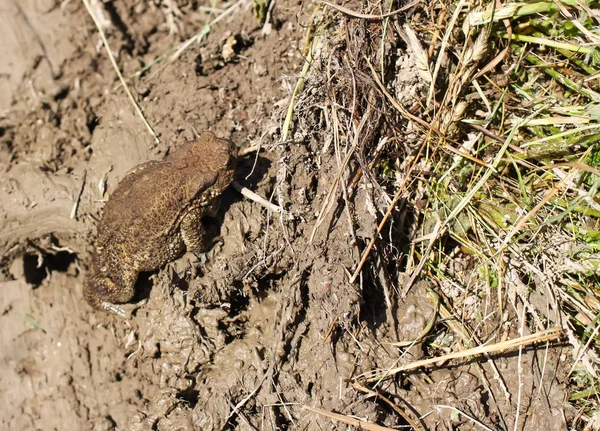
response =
{"points": [[263, 324]]}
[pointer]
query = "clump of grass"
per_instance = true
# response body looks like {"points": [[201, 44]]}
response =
{"points": [[491, 159]]}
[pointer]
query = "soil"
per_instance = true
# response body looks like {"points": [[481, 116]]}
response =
{"points": [[263, 324]]}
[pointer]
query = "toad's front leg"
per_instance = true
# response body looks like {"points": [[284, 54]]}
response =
{"points": [[193, 231]]}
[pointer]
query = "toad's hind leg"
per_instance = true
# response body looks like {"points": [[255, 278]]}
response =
{"points": [[193, 231], [101, 292]]}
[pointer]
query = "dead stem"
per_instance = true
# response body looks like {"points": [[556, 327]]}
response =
{"points": [[547, 335], [386, 400], [118, 72], [258, 199], [360, 424]]}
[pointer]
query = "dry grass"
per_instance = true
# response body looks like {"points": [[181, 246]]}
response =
{"points": [[474, 129]]}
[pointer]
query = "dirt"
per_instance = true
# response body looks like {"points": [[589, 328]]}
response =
{"points": [[264, 323]]}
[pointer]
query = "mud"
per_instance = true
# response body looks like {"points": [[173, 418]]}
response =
{"points": [[264, 323]]}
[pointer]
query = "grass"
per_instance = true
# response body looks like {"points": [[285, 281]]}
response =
{"points": [[496, 145]]}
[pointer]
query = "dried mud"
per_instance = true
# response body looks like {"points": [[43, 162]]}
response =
{"points": [[242, 337]]}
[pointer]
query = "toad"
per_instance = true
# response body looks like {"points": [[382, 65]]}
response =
{"points": [[154, 215]]}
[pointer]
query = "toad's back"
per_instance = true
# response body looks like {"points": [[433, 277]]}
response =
{"points": [[147, 207]]}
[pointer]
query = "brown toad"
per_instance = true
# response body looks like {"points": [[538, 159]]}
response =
{"points": [[155, 214]]}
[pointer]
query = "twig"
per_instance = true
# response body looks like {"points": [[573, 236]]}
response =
{"points": [[475, 421], [248, 397], [360, 424], [330, 330], [258, 199], [116, 67], [78, 197], [397, 196], [547, 335], [248, 150], [386, 400], [520, 371]]}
